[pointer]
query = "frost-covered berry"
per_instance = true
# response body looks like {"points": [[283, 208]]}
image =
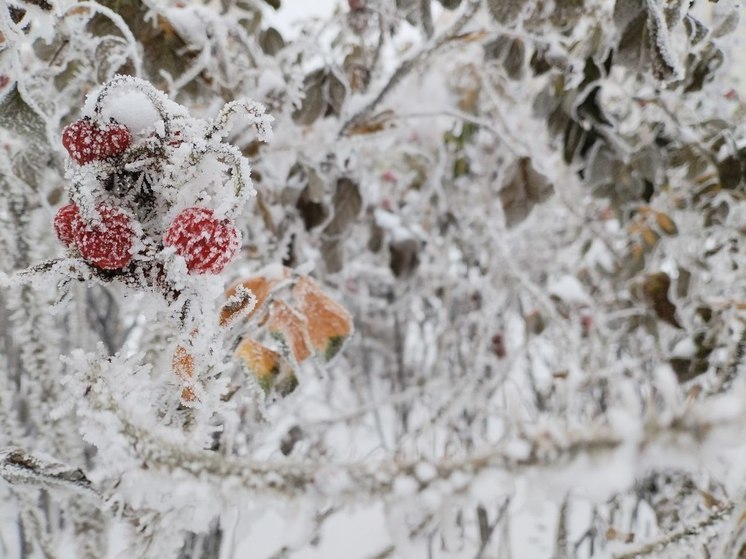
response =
{"points": [[206, 242], [86, 141], [66, 223], [108, 243]]}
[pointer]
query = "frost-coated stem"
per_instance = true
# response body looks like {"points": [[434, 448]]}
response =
{"points": [[17, 467], [677, 536], [257, 112]]}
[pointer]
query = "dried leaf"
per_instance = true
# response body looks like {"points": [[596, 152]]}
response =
{"points": [[567, 12], [728, 24], [288, 326], [312, 212], [626, 11], [329, 324], [182, 363], [506, 11], [336, 93], [710, 60], [633, 44], [332, 250], [404, 257], [347, 204], [426, 17], [260, 361], [666, 224], [732, 172], [375, 241], [314, 102], [292, 437], [695, 29], [513, 62], [525, 188], [271, 41], [655, 288], [665, 66]]}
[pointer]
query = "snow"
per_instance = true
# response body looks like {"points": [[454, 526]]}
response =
{"points": [[522, 372]]}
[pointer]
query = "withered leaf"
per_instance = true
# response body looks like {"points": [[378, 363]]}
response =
{"points": [[375, 241], [336, 93], [271, 41], [728, 24], [347, 204], [664, 64], [404, 257], [625, 11], [683, 282], [687, 368], [291, 438], [506, 11], [633, 43], [710, 60], [513, 62], [666, 224], [591, 108], [655, 288], [313, 103], [695, 29], [426, 18], [524, 188], [732, 171], [333, 254], [566, 12], [312, 211], [496, 48]]}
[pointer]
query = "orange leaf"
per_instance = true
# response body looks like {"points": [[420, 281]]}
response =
{"points": [[261, 361], [269, 368], [329, 323], [182, 363], [287, 325], [258, 285]]}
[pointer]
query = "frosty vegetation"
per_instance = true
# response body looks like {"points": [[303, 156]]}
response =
{"points": [[449, 279]]}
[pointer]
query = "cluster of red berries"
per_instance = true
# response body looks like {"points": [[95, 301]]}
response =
{"points": [[206, 242], [86, 141]]}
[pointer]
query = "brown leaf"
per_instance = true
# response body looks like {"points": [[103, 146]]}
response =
{"points": [[525, 188], [404, 257], [313, 212], [506, 11], [655, 288], [666, 224], [271, 41], [314, 103], [333, 252], [347, 204]]}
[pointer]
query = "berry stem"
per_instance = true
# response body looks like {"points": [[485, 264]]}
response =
{"points": [[258, 113], [241, 172]]}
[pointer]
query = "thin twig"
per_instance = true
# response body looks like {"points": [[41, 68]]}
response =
{"points": [[677, 536]]}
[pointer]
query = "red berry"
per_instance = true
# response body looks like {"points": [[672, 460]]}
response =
{"points": [[107, 244], [85, 141], [66, 223], [206, 242]]}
